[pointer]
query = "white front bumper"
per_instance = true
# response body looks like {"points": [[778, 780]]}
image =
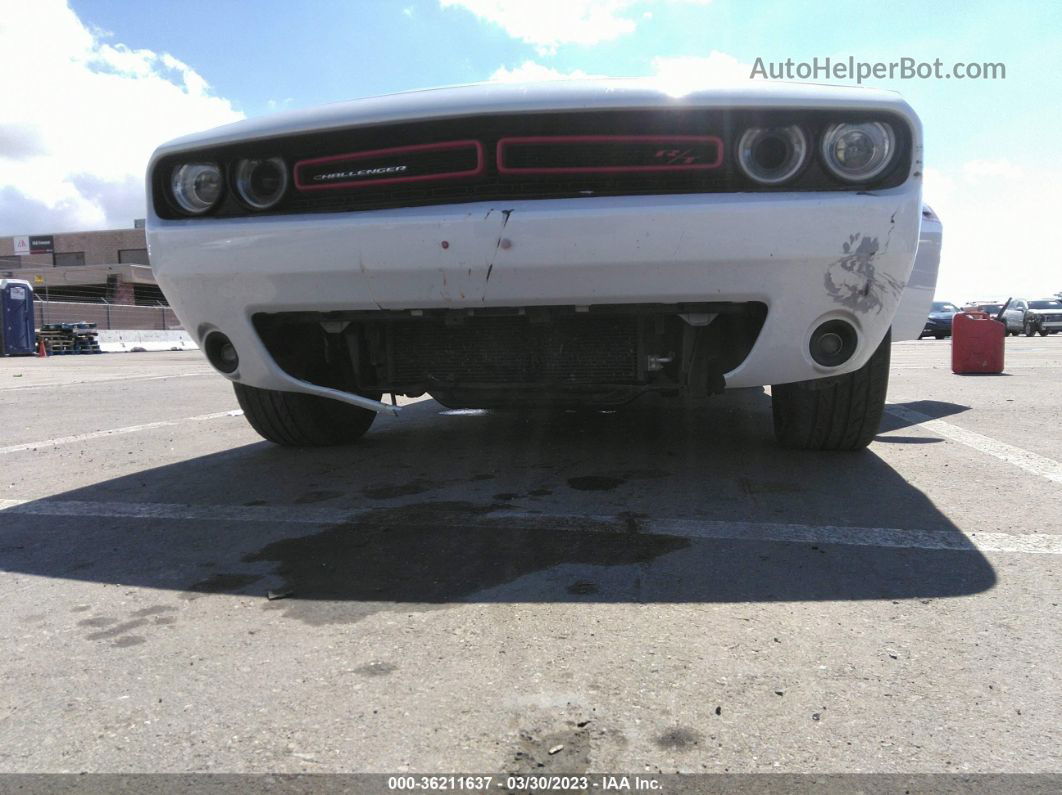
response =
{"points": [[808, 256]]}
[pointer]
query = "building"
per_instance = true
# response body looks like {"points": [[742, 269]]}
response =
{"points": [[109, 266]]}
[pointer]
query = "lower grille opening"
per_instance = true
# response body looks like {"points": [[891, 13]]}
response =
{"points": [[599, 355]]}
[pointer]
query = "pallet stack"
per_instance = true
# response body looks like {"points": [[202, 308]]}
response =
{"points": [[68, 338]]}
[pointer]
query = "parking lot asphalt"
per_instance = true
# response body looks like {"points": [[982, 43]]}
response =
{"points": [[656, 589]]}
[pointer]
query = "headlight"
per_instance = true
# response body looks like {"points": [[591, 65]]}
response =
{"points": [[261, 183], [858, 152], [772, 155], [196, 186]]}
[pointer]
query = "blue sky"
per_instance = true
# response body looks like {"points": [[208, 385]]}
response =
{"points": [[317, 52], [172, 67]]}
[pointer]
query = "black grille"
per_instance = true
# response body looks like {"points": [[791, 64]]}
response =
{"points": [[514, 350], [391, 166], [690, 141], [608, 154]]}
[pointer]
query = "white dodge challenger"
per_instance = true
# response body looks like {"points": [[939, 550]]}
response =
{"points": [[560, 244]]}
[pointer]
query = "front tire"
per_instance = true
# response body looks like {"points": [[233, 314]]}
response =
{"points": [[1029, 330], [294, 419], [843, 414]]}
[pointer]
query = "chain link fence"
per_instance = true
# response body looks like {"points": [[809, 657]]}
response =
{"points": [[106, 316]]}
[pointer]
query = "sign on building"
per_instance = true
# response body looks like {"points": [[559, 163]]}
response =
{"points": [[34, 244], [42, 244]]}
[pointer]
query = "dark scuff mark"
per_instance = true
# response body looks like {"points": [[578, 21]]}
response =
{"points": [[853, 280], [376, 669], [679, 738], [497, 245], [566, 751]]}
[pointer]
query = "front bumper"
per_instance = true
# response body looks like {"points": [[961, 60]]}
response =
{"points": [[1048, 325], [810, 257]]}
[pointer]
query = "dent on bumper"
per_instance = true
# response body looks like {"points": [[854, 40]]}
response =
{"points": [[809, 257]]}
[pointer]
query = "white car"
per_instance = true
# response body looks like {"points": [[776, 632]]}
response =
{"points": [[1043, 317], [1013, 315], [565, 244]]}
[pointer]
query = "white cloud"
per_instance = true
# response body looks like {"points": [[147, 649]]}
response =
{"points": [[685, 72], [677, 74], [530, 71], [550, 23], [995, 219], [85, 115], [978, 169]]}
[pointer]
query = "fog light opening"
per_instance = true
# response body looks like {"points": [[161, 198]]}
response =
{"points": [[220, 352], [833, 343]]}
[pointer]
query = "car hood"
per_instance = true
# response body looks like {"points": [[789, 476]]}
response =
{"points": [[556, 95], [1055, 311]]}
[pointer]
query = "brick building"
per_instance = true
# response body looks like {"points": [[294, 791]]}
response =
{"points": [[110, 265]]}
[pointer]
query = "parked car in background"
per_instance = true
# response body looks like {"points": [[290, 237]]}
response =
{"points": [[1043, 317], [1012, 317], [1016, 315], [938, 324]]}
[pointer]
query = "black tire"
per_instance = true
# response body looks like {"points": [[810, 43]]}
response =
{"points": [[939, 336], [1043, 332], [294, 419], [843, 413], [1029, 330]]}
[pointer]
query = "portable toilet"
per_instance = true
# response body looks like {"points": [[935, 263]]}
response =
{"points": [[18, 336]]}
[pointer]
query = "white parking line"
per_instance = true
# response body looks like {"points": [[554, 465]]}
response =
{"points": [[1028, 543], [84, 437], [1030, 462], [91, 381]]}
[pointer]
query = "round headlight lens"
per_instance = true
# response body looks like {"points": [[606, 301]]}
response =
{"points": [[858, 152], [772, 155], [261, 183], [196, 186]]}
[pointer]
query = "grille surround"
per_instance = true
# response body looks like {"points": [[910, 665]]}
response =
{"points": [[492, 185]]}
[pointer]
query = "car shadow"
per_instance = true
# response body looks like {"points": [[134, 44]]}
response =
{"points": [[442, 507], [934, 409]]}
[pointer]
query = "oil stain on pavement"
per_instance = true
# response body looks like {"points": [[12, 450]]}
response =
{"points": [[422, 557]]}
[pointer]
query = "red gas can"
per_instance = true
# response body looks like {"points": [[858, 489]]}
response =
{"points": [[977, 343]]}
